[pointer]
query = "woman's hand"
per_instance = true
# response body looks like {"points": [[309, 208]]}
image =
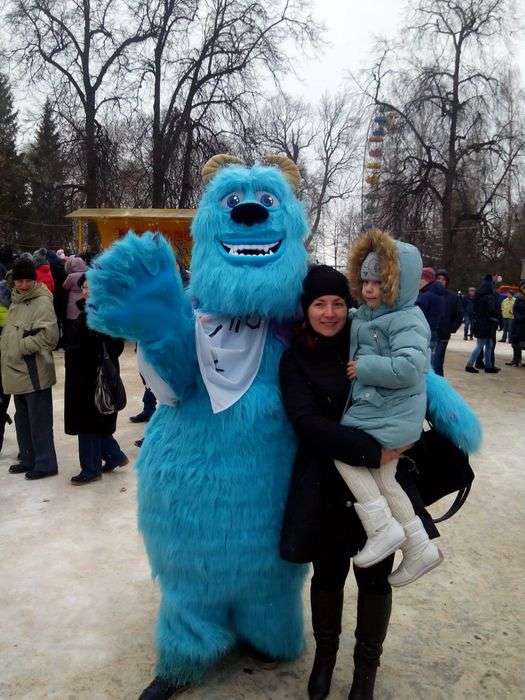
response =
{"points": [[351, 370], [391, 455], [388, 456]]}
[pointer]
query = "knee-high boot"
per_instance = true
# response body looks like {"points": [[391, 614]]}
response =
{"points": [[327, 610], [373, 615]]}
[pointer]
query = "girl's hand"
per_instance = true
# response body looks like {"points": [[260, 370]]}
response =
{"points": [[351, 370]]}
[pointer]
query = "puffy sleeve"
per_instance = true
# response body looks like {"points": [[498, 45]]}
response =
{"points": [[408, 360]]}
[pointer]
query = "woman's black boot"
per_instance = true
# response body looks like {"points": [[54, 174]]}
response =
{"points": [[373, 615], [327, 610]]}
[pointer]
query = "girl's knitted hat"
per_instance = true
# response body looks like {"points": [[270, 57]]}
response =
{"points": [[371, 268]]}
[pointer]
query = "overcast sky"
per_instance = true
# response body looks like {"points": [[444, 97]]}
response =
{"points": [[351, 27], [350, 30]]}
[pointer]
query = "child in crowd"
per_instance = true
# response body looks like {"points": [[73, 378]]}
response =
{"points": [[389, 356]]}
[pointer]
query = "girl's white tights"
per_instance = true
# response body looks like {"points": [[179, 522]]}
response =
{"points": [[369, 484]]}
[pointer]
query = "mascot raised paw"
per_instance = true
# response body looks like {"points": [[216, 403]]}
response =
{"points": [[214, 468]]}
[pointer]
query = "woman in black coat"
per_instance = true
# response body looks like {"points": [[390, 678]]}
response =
{"points": [[320, 523], [84, 353], [517, 332]]}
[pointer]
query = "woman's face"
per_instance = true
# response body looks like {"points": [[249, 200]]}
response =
{"points": [[84, 290], [24, 286], [327, 315]]}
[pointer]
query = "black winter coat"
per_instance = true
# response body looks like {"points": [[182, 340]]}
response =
{"points": [[84, 352], [517, 334], [485, 312], [431, 301], [467, 303], [59, 295], [452, 317], [319, 517]]}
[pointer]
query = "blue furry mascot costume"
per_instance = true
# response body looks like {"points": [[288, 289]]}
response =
{"points": [[214, 468]]}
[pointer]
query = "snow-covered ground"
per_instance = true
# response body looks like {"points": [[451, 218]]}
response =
{"points": [[77, 605]]}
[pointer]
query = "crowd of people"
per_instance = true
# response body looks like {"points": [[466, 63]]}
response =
{"points": [[483, 311], [42, 302], [42, 307]]}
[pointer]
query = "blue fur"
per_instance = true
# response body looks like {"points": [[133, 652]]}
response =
{"points": [[212, 487], [136, 293], [451, 415], [223, 284]]}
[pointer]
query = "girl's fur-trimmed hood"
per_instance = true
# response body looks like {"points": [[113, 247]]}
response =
{"points": [[400, 264]]}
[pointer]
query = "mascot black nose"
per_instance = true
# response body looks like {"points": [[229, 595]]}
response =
{"points": [[249, 213]]}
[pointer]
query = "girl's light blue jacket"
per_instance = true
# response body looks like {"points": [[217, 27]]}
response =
{"points": [[391, 345]]}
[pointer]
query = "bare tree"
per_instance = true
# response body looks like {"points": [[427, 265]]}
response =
{"points": [[81, 47], [208, 59], [447, 106], [325, 142], [341, 227], [334, 173], [284, 126]]}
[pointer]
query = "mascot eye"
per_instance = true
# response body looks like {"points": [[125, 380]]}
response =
{"points": [[268, 200], [232, 200]]}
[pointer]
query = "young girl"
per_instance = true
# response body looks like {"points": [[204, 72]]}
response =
{"points": [[389, 356]]}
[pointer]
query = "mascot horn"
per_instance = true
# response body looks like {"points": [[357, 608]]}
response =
{"points": [[214, 468]]}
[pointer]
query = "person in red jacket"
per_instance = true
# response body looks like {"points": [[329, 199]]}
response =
{"points": [[43, 269]]}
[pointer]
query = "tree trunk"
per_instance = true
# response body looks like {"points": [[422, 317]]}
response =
{"points": [[186, 188], [91, 165], [447, 253], [157, 147]]}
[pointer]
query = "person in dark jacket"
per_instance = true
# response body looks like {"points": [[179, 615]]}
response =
{"points": [[320, 524], [98, 450], [60, 295], [5, 302], [517, 331], [431, 301], [449, 323], [485, 325], [467, 304]]}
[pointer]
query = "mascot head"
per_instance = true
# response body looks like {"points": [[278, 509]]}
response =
{"points": [[248, 239]]}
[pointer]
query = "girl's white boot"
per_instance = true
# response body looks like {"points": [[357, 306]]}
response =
{"points": [[420, 555], [385, 535]]}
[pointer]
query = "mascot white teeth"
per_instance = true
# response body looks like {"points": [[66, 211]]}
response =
{"points": [[214, 468]]}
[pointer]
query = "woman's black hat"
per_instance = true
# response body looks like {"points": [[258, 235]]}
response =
{"points": [[323, 280]]}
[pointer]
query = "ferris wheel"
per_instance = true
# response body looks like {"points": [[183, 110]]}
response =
{"points": [[372, 166]]}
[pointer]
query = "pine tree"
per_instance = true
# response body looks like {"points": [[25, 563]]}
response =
{"points": [[12, 191], [46, 166]]}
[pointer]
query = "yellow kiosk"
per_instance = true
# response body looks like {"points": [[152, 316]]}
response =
{"points": [[112, 224]]}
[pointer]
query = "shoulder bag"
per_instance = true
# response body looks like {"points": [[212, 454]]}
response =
{"points": [[110, 394]]}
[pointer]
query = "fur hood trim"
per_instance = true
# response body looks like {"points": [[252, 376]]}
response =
{"points": [[384, 246]]}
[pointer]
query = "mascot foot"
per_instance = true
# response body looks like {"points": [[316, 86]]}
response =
{"points": [[264, 661], [161, 689]]}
